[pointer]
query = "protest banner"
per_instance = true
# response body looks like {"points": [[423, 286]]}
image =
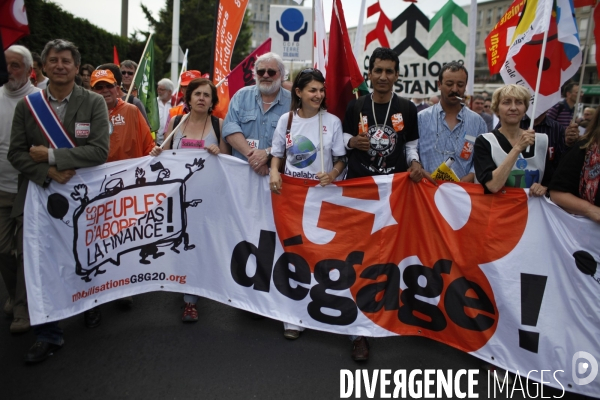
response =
{"points": [[423, 44], [510, 279]]}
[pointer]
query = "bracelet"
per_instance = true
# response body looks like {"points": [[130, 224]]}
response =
{"points": [[337, 170], [417, 161]]}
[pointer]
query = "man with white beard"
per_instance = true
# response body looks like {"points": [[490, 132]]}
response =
{"points": [[19, 63], [254, 112]]}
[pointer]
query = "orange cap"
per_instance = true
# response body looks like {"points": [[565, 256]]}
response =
{"points": [[189, 76], [102, 75]]}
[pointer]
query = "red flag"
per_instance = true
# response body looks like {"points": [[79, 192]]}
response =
{"points": [[496, 44], [242, 75], [115, 56], [583, 3], [343, 74], [13, 22]]}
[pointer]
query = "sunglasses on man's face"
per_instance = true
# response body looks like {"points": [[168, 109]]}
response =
{"points": [[101, 86], [127, 73], [271, 72]]}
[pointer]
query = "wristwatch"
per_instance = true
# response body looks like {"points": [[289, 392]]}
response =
{"points": [[268, 151]]}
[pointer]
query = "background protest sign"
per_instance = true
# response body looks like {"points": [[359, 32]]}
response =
{"points": [[290, 29], [423, 45], [493, 275]]}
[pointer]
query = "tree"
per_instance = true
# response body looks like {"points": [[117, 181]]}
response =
{"points": [[47, 21], [196, 29]]}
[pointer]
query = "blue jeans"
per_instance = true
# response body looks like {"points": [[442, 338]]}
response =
{"points": [[49, 332]]}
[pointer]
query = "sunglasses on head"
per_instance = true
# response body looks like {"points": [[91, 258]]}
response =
{"points": [[101, 86], [309, 70], [261, 72], [127, 73]]}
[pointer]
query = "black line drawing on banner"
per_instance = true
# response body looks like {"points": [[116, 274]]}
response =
{"points": [[125, 218]]}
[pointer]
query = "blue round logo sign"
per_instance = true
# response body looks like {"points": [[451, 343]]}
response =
{"points": [[292, 19]]}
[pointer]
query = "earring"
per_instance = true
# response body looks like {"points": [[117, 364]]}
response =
{"points": [[210, 109]]}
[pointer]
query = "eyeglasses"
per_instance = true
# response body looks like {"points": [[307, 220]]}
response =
{"points": [[261, 72], [100, 86], [127, 73]]}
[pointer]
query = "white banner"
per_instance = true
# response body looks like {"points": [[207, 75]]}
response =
{"points": [[516, 280]]}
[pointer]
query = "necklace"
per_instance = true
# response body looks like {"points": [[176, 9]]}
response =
{"points": [[264, 102], [386, 114], [203, 128]]}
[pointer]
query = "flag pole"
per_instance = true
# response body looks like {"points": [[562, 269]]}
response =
{"points": [[472, 35], [312, 60], [539, 79], [137, 71], [585, 54]]}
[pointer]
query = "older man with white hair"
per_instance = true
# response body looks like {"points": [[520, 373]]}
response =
{"points": [[165, 88], [254, 112], [19, 63]]}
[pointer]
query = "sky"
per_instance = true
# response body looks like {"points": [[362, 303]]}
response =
{"points": [[108, 16]]}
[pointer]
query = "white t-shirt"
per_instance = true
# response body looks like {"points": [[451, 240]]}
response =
{"points": [[303, 158]]}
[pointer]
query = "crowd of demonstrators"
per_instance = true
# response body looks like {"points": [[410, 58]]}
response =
{"points": [[29, 152], [449, 129], [381, 134], [574, 185]]}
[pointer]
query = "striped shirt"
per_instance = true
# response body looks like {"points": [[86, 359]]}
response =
{"points": [[561, 113]]}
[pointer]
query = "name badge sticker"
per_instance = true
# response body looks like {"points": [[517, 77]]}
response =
{"points": [[191, 144], [253, 143], [468, 147], [82, 130], [398, 122], [378, 134]]}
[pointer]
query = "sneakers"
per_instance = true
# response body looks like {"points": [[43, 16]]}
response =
{"points": [[291, 334], [190, 314], [20, 325], [8, 306], [360, 349]]}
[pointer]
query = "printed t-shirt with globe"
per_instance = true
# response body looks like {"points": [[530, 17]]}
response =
{"points": [[302, 155]]}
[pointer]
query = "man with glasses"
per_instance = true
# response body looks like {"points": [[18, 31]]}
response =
{"points": [[254, 112], [128, 69], [164, 88], [130, 135], [449, 129], [83, 130]]}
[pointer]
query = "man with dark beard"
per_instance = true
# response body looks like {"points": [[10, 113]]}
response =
{"points": [[254, 112]]}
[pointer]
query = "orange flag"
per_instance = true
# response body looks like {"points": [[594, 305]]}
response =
{"points": [[229, 18]]}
